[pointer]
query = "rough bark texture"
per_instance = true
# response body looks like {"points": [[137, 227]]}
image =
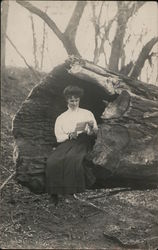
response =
{"points": [[125, 152]]}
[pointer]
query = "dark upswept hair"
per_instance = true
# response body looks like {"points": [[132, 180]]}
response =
{"points": [[72, 90]]}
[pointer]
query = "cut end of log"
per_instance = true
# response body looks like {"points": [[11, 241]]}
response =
{"points": [[118, 107]]}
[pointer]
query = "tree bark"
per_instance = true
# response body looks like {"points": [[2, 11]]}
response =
{"points": [[125, 151], [68, 37]]}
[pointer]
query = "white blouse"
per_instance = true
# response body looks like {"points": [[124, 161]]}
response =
{"points": [[67, 121]]}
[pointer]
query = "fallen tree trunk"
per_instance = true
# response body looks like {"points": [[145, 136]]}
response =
{"points": [[125, 151]]}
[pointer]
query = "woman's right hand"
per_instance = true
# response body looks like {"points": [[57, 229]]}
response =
{"points": [[73, 135], [91, 124]]}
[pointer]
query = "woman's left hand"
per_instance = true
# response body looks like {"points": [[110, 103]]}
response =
{"points": [[73, 135], [91, 124], [92, 132]]}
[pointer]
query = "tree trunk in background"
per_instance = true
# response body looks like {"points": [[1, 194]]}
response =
{"points": [[4, 20], [35, 49], [125, 151], [43, 43], [125, 11], [117, 44]]}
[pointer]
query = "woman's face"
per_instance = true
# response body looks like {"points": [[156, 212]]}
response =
{"points": [[73, 102]]}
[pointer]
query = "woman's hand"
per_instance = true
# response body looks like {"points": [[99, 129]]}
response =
{"points": [[91, 124], [91, 130], [73, 135]]}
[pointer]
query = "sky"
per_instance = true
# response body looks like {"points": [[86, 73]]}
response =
{"points": [[20, 32]]}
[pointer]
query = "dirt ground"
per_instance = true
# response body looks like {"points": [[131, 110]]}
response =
{"points": [[100, 219]]}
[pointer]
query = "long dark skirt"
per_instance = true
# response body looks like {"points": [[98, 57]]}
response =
{"points": [[66, 171]]}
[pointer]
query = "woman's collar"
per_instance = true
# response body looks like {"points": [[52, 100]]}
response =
{"points": [[73, 110]]}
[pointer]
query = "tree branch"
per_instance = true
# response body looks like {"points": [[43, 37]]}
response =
{"points": [[6, 181], [66, 38], [34, 43], [135, 7], [143, 56], [43, 42], [99, 45], [31, 69], [124, 13], [97, 31], [42, 15], [72, 26], [100, 12]]}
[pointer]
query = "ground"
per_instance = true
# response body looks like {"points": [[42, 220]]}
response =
{"points": [[100, 219]]}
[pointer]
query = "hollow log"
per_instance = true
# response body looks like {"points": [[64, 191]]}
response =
{"points": [[126, 148]]}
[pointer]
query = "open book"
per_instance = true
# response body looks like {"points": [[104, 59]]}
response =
{"points": [[81, 126]]}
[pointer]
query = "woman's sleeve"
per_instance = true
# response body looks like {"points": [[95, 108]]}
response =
{"points": [[95, 126], [59, 133]]}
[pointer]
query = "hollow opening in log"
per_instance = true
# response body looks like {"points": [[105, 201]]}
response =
{"points": [[33, 126], [93, 98], [93, 94]]}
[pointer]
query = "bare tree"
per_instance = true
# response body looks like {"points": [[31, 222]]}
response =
{"points": [[101, 31], [38, 63], [37, 76], [143, 56], [43, 42], [4, 20], [116, 61], [34, 43], [125, 12], [68, 37], [126, 69]]}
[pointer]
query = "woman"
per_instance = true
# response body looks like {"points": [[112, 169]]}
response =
{"points": [[75, 131]]}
